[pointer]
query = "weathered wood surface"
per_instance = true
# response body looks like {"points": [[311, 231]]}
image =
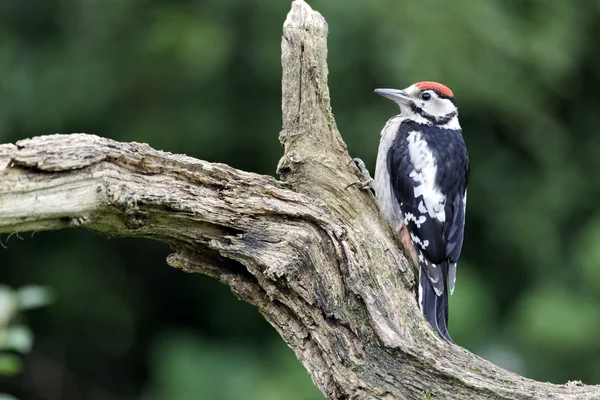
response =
{"points": [[314, 258]]}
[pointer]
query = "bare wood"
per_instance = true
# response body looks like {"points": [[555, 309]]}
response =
{"points": [[313, 257]]}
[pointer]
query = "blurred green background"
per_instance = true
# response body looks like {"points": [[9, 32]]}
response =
{"points": [[203, 78]]}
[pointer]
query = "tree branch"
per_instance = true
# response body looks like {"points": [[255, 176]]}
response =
{"points": [[314, 258]]}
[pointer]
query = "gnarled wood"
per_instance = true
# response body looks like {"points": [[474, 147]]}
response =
{"points": [[314, 258]]}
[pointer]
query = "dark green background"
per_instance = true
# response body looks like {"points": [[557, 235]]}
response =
{"points": [[203, 78]]}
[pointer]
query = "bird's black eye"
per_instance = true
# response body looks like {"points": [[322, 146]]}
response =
{"points": [[426, 96]]}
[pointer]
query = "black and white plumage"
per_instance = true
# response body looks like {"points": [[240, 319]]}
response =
{"points": [[420, 183]]}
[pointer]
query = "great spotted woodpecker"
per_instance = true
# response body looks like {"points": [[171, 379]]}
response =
{"points": [[421, 186]]}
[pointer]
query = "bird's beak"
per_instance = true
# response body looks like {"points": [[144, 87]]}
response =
{"points": [[399, 96]]}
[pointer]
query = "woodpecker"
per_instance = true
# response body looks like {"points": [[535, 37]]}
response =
{"points": [[420, 183]]}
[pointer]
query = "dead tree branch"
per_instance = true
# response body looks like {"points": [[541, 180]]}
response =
{"points": [[314, 258]]}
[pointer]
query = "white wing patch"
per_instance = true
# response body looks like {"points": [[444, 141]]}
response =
{"points": [[417, 241], [424, 175], [452, 277], [412, 217]]}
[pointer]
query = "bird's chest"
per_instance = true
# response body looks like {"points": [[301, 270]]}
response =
{"points": [[387, 200]]}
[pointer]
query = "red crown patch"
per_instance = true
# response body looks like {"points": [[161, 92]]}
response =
{"points": [[438, 87]]}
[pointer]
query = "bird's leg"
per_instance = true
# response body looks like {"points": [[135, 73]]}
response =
{"points": [[408, 245], [365, 182]]}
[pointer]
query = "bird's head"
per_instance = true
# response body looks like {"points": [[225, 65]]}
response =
{"points": [[430, 101]]}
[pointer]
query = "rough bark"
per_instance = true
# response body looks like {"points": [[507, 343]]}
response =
{"points": [[314, 258]]}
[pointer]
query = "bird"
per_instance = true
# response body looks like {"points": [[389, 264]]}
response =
{"points": [[420, 184]]}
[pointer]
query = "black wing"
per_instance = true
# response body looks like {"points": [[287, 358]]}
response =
{"points": [[438, 239], [426, 232], [455, 225]]}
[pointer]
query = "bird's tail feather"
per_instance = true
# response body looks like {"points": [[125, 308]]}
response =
{"points": [[434, 307]]}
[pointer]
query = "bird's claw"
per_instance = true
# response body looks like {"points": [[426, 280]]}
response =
{"points": [[366, 182], [361, 185]]}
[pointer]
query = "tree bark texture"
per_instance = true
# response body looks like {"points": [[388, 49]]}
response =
{"points": [[313, 257]]}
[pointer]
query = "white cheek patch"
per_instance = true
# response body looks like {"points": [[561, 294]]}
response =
{"points": [[421, 157], [438, 107]]}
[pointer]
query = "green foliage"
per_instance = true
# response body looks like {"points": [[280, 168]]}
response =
{"points": [[183, 365], [202, 77], [10, 365], [17, 338]]}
